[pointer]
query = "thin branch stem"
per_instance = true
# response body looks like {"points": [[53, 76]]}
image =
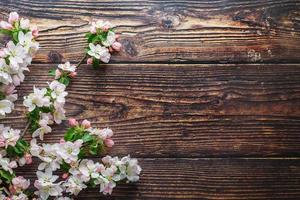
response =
{"points": [[28, 123]]}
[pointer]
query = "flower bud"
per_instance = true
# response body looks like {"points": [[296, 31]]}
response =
{"points": [[73, 122], [86, 124], [89, 61], [28, 158], [65, 175], [93, 29], [12, 189], [109, 142], [57, 74], [62, 141], [35, 32], [117, 46], [5, 25], [73, 74], [13, 16], [105, 28]]}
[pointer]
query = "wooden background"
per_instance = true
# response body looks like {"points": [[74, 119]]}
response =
{"points": [[205, 93]]}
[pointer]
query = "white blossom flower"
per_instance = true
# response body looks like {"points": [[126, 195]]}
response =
{"points": [[74, 185], [5, 77], [11, 136], [59, 112], [69, 151], [24, 23], [16, 53], [37, 98], [46, 186], [110, 39], [99, 52], [5, 164], [58, 91], [6, 106], [88, 169], [67, 67], [46, 119], [27, 41]]}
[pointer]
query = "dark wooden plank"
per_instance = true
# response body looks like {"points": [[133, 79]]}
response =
{"points": [[161, 110], [207, 179], [186, 30]]}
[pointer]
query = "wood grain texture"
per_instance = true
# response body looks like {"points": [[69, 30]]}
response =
{"points": [[207, 179], [170, 31], [162, 110]]}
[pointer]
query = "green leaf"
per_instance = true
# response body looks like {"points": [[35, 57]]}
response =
{"points": [[95, 63], [65, 166], [15, 36], [87, 137], [2, 95], [6, 176], [64, 80], [69, 135], [52, 72], [6, 32]]}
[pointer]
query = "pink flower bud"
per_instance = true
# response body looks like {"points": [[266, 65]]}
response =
{"points": [[86, 124], [73, 74], [117, 36], [109, 142], [89, 61], [2, 141], [28, 158], [5, 25], [105, 28], [13, 16], [35, 32], [73, 122], [2, 53], [57, 74], [13, 164], [12, 189], [65, 175], [62, 141], [117, 46], [110, 49]]}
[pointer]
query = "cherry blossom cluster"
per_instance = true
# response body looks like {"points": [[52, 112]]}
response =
{"points": [[15, 57], [79, 142], [46, 105], [102, 42]]}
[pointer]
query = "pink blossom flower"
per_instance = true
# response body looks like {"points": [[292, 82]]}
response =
{"points": [[2, 53], [89, 61], [20, 183], [117, 46], [86, 124], [109, 143], [13, 164], [73, 122], [5, 25], [13, 16], [93, 29]]}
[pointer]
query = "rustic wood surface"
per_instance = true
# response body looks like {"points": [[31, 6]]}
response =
{"points": [[202, 129]]}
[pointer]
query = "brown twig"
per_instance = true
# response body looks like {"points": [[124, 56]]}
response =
{"points": [[28, 123]]}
